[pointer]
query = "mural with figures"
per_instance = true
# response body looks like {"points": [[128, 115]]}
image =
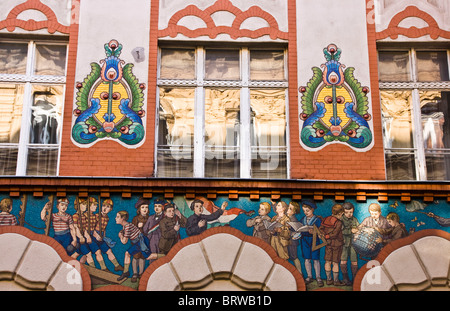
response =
{"points": [[118, 238]]}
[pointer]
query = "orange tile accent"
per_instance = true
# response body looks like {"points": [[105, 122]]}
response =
{"points": [[393, 30], [52, 24]]}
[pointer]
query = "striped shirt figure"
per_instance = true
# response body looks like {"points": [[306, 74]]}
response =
{"points": [[139, 242], [6, 218], [63, 225]]}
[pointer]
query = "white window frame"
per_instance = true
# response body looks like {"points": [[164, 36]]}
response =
{"points": [[244, 84], [28, 79], [415, 87]]}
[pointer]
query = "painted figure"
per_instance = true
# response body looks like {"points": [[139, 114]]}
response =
{"points": [[142, 215], [197, 223], [63, 224], [170, 228], [281, 234], [139, 242], [259, 230], [396, 231], [103, 244], [294, 209], [331, 229], [81, 224], [375, 220], [6, 218], [311, 257], [151, 227], [350, 227]]}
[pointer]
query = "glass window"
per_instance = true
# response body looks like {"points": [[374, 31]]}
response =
{"points": [[222, 65], [432, 66], [30, 147], [177, 64], [13, 58], [176, 132], [415, 117], [230, 130], [394, 66], [266, 65]]}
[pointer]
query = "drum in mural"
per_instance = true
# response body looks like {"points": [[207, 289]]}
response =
{"points": [[367, 242]]}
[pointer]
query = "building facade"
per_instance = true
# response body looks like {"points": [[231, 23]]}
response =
{"points": [[228, 144]]}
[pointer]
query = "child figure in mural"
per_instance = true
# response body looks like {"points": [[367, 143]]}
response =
{"points": [[82, 224], [331, 229], [142, 215], [139, 242], [6, 218], [396, 231], [63, 225], [259, 229], [197, 223], [294, 209], [103, 244], [170, 228], [375, 220], [311, 257], [151, 227], [281, 233], [350, 227]]}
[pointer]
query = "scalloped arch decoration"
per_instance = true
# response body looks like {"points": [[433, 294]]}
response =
{"points": [[212, 30], [52, 24], [393, 30]]}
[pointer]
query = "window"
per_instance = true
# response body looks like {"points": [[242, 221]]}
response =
{"points": [[32, 77], [415, 103], [222, 113]]}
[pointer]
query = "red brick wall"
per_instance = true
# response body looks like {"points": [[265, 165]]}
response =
{"points": [[337, 161]]}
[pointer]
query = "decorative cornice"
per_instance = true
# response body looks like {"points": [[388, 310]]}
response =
{"points": [[52, 24], [393, 30], [212, 30]]}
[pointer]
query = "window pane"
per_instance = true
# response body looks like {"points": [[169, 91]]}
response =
{"points": [[13, 58], [222, 133], [177, 64], [11, 101], [268, 133], [46, 114], [267, 65], [42, 162], [222, 65], [400, 165], [50, 60], [393, 66], [8, 161], [432, 66], [176, 132], [397, 119], [438, 165], [435, 119]]}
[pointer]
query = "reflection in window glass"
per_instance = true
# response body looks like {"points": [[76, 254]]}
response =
{"points": [[11, 102], [268, 131], [266, 65], [397, 119], [436, 133], [400, 165], [42, 161], [432, 66], [176, 132], [222, 65], [394, 66], [50, 60], [46, 114], [177, 64], [13, 58], [222, 133]]}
